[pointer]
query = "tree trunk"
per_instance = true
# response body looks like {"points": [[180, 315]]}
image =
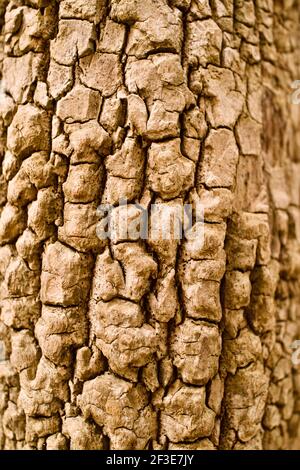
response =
{"points": [[149, 112]]}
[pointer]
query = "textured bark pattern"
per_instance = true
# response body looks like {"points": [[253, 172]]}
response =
{"points": [[136, 344]]}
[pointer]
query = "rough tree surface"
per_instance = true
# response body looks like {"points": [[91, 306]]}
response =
{"points": [[132, 343]]}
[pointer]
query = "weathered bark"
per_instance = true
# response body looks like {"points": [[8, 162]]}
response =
{"points": [[149, 343]]}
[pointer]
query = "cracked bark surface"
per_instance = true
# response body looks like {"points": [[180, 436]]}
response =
{"points": [[132, 343]]}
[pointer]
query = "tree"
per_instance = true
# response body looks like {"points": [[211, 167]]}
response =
{"points": [[110, 110]]}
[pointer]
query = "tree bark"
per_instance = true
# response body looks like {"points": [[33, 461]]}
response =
{"points": [[149, 342]]}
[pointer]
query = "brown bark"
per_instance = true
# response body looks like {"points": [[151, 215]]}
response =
{"points": [[137, 343]]}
